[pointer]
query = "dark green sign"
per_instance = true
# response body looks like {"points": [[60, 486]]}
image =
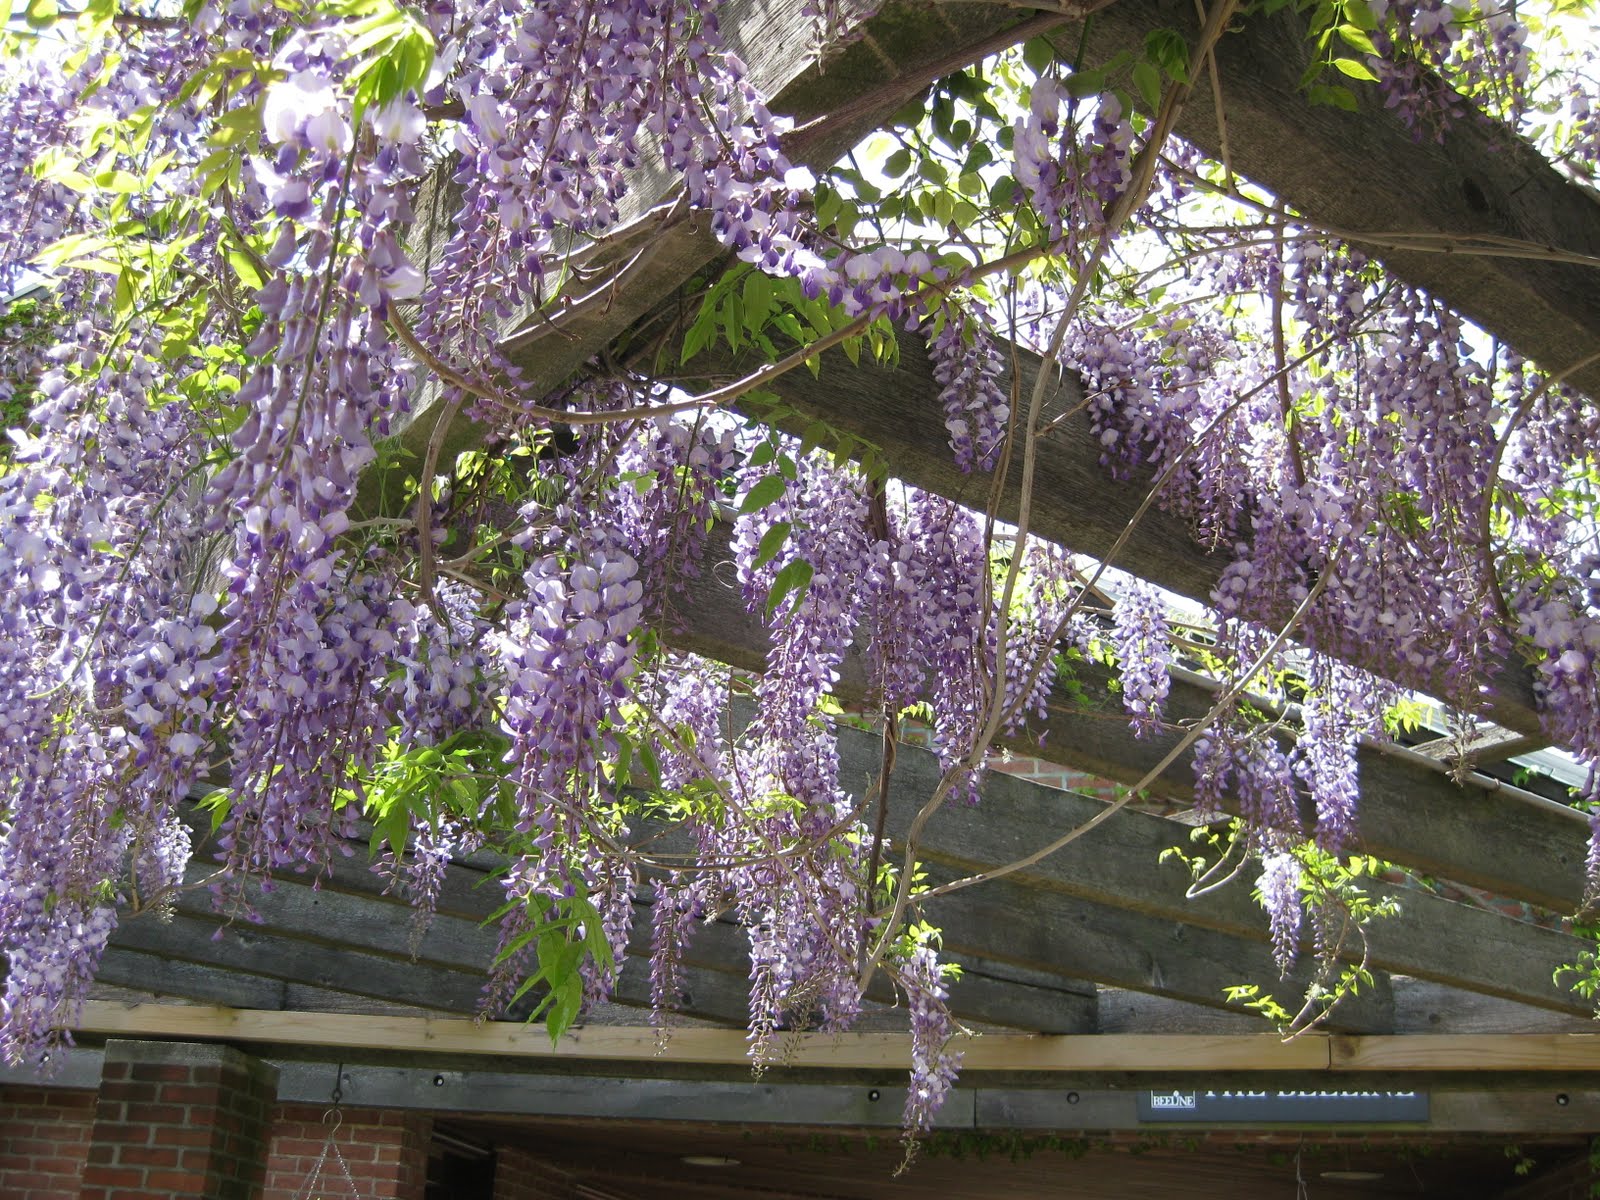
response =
{"points": [[1362, 1108]]}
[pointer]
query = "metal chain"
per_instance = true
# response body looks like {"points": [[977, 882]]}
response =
{"points": [[332, 1118]]}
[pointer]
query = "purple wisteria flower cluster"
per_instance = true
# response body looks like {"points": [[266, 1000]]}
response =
{"points": [[203, 591], [966, 365], [1139, 637], [1073, 160]]}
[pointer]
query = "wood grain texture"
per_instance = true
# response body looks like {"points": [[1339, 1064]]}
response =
{"points": [[1134, 1053], [1365, 170], [991, 1052], [1411, 812], [1556, 1052], [1077, 503], [841, 101], [1119, 864]]}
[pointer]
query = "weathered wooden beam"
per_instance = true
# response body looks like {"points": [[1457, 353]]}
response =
{"points": [[1420, 1006], [305, 937], [655, 251], [1425, 1007], [1174, 1053], [329, 965], [1487, 745], [988, 991], [1366, 171], [1119, 864], [1047, 930], [1411, 812], [127, 975], [1076, 502]]}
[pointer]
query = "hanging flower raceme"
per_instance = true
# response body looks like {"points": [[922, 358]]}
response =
{"points": [[1139, 636], [966, 365], [812, 591], [1342, 706], [933, 1063], [1073, 160], [929, 624], [106, 668]]}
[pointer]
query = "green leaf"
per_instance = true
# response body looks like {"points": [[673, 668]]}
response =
{"points": [[811, 437], [767, 489], [897, 164], [1170, 51], [1357, 40], [759, 293], [1359, 14], [1354, 69], [42, 13], [1039, 54], [1148, 80], [245, 268], [1082, 84], [1336, 95], [794, 577], [771, 542], [568, 1000]]}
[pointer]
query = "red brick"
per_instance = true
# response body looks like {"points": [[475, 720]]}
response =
{"points": [[147, 1156], [177, 1182], [151, 1113], [208, 1094], [112, 1131], [114, 1176]]}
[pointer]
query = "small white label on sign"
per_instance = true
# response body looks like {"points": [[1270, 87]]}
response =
{"points": [[1171, 1100]]}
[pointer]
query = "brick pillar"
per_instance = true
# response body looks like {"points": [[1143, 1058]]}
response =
{"points": [[179, 1120], [386, 1152], [44, 1136]]}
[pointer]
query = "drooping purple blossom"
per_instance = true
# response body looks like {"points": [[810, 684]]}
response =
{"points": [[1139, 636], [966, 365]]}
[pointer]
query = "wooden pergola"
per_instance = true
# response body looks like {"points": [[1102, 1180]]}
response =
{"points": [[1096, 980]]}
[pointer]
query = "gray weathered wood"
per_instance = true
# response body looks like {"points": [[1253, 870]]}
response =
{"points": [[988, 991], [1420, 1006], [1411, 812], [1118, 863], [1077, 504], [1006, 921], [1366, 171], [332, 967], [133, 976], [1425, 1007], [901, 48]]}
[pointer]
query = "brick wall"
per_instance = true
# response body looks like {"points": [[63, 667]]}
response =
{"points": [[178, 1119], [386, 1153], [44, 1137], [175, 1121]]}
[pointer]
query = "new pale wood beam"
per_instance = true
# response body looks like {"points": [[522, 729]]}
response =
{"points": [[1137, 1053]]}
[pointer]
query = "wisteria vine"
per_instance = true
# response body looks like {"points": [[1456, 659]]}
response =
{"points": [[222, 305]]}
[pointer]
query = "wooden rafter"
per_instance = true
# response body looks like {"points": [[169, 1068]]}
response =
{"points": [[1412, 811], [1562, 1053]]}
